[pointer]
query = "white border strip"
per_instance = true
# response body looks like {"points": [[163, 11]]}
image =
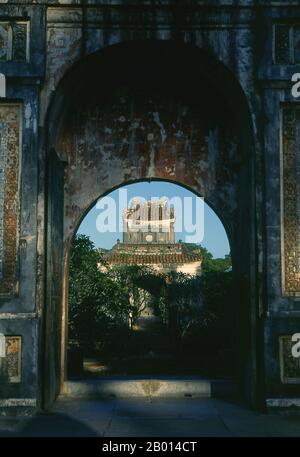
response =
{"points": [[283, 402], [8, 402], [18, 316]]}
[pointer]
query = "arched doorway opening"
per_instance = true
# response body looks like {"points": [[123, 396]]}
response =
{"points": [[151, 288], [132, 120]]}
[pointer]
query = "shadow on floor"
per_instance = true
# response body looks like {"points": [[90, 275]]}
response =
{"points": [[53, 425]]}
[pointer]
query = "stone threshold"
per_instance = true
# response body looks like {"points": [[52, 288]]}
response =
{"points": [[155, 387]]}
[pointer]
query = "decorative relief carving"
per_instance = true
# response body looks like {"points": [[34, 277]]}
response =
{"points": [[19, 48], [286, 39], [296, 43], [289, 365], [9, 196], [14, 41], [4, 48], [10, 365], [282, 43], [290, 161]]}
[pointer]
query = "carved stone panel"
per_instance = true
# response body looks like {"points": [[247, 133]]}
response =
{"points": [[281, 43], [10, 147], [296, 43], [290, 199], [286, 44], [19, 41], [10, 365], [4, 41], [289, 365], [14, 41]]}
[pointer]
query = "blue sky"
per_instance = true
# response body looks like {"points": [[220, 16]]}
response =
{"points": [[215, 238]]}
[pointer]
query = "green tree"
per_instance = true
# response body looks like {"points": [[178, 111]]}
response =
{"points": [[105, 302], [209, 263], [96, 301], [131, 280]]}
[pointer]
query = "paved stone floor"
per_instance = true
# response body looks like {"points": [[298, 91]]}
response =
{"points": [[186, 417]]}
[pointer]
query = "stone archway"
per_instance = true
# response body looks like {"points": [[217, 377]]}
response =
{"points": [[146, 110]]}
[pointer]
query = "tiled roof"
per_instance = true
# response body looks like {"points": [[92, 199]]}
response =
{"points": [[151, 254]]}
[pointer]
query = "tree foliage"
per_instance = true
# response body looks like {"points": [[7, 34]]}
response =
{"points": [[96, 301], [105, 300]]}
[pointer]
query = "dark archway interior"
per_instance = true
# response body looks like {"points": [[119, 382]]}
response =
{"points": [[102, 123], [169, 65]]}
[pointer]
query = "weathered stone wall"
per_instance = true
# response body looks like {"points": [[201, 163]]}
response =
{"points": [[22, 62], [191, 133], [132, 135]]}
